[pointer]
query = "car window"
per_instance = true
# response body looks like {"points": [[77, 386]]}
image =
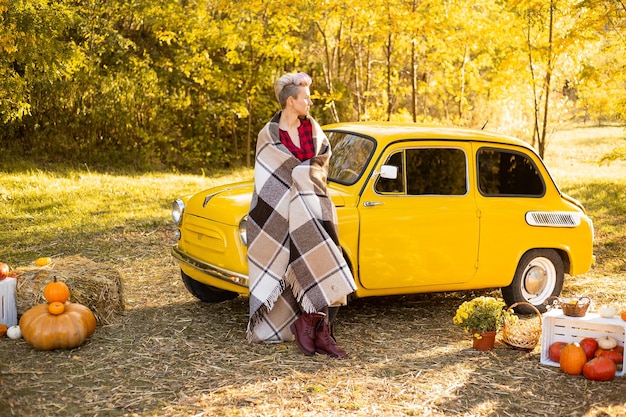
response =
{"points": [[393, 185], [427, 171], [350, 155], [508, 173]]}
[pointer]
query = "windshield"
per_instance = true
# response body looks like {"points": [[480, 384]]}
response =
{"points": [[350, 156]]}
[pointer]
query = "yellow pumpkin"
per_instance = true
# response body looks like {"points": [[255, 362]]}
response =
{"points": [[43, 261], [46, 331]]}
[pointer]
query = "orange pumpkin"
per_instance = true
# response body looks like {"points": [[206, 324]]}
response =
{"points": [[3, 329], [599, 369], [573, 358], [45, 331], [4, 270], [56, 291], [56, 308]]}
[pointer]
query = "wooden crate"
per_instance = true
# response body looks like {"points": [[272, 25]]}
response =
{"points": [[558, 327], [8, 309]]}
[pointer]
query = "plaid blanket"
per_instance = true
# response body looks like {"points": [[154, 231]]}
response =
{"points": [[294, 260]]}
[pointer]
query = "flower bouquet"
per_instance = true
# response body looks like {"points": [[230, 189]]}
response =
{"points": [[481, 315]]}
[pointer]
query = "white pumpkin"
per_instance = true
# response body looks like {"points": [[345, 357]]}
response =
{"points": [[607, 311], [607, 342], [14, 332]]}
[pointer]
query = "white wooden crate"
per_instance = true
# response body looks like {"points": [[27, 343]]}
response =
{"points": [[558, 327], [8, 310]]}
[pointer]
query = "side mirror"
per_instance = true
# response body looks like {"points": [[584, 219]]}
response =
{"points": [[389, 172]]}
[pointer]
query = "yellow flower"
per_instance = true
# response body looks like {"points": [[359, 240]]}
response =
{"points": [[481, 314]]}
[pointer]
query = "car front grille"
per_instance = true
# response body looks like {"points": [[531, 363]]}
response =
{"points": [[203, 237]]}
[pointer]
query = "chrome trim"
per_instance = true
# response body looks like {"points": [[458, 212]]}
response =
{"points": [[243, 230], [553, 218], [208, 198], [212, 270], [178, 209]]}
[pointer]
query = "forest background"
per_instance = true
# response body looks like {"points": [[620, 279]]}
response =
{"points": [[185, 85]]}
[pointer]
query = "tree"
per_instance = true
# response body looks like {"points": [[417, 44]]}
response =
{"points": [[186, 84], [32, 52], [553, 39]]}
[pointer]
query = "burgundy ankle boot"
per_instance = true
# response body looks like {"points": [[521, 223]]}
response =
{"points": [[304, 329], [325, 342]]}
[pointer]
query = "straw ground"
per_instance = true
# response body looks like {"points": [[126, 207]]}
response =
{"points": [[169, 355]]}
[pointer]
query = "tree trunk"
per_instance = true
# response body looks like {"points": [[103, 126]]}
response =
{"points": [[327, 67], [546, 105], [357, 76], [413, 82], [389, 92], [249, 133]]}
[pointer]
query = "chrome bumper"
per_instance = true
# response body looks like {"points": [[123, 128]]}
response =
{"points": [[212, 270]]}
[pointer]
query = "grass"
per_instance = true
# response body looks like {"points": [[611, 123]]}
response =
{"points": [[56, 215], [169, 355]]}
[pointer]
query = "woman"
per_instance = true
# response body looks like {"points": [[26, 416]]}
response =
{"points": [[295, 265]]}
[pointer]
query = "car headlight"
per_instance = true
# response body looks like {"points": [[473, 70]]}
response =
{"points": [[243, 230], [178, 208]]}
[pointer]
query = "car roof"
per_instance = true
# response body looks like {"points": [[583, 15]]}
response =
{"points": [[392, 131]]}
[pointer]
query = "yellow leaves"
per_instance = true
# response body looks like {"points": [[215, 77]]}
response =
{"points": [[166, 36]]}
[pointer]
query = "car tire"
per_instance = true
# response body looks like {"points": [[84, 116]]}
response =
{"points": [[206, 293], [539, 275]]}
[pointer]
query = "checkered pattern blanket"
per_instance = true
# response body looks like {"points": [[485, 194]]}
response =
{"points": [[294, 260]]}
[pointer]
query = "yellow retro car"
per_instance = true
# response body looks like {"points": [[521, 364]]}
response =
{"points": [[421, 209]]}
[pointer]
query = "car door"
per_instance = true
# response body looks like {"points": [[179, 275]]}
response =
{"points": [[509, 185], [420, 229]]}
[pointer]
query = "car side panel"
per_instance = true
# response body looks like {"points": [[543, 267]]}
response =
{"points": [[505, 235], [409, 242]]}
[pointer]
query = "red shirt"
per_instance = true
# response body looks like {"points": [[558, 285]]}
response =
{"points": [[307, 146]]}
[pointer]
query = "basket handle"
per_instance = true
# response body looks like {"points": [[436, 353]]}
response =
{"points": [[528, 304], [553, 299]]}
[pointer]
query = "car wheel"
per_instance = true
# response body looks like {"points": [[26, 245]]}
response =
{"points": [[205, 292], [539, 275]]}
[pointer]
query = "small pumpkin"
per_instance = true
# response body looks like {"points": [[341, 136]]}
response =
{"points": [[43, 261], [3, 329], [14, 332], [599, 369], [56, 308], [573, 358], [45, 331], [615, 354], [607, 311], [4, 270], [56, 291], [607, 342], [554, 351], [589, 345]]}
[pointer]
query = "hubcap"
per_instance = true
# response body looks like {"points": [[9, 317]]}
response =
{"points": [[536, 278]]}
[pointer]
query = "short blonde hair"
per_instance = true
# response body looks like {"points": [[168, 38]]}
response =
{"points": [[289, 85]]}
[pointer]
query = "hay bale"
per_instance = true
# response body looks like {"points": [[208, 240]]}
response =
{"points": [[94, 285]]}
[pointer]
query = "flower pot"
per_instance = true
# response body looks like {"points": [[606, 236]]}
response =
{"points": [[485, 342]]}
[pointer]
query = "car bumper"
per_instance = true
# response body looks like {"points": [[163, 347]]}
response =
{"points": [[208, 269]]}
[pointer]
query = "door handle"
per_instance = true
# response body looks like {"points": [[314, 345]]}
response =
{"points": [[372, 203]]}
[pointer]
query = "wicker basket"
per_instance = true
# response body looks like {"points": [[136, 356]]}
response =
{"points": [[523, 334], [577, 309]]}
